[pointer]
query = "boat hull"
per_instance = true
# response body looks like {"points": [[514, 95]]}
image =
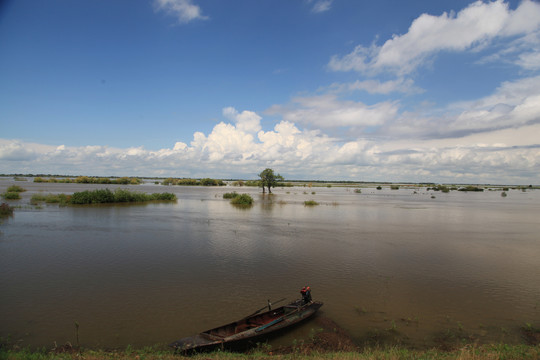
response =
{"points": [[241, 333]]}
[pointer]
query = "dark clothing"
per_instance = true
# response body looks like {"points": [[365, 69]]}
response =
{"points": [[306, 295]]}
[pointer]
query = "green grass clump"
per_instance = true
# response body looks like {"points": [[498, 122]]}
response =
{"points": [[11, 195], [310, 203], [15, 188], [243, 200], [6, 210], [106, 196], [61, 199], [230, 195], [90, 180], [470, 188], [193, 182]]}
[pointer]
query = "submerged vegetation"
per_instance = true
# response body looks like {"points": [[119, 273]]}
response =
{"points": [[13, 193], [101, 196], [239, 199], [106, 196], [90, 180], [242, 200], [6, 210], [193, 182], [61, 199], [230, 195], [470, 188]]}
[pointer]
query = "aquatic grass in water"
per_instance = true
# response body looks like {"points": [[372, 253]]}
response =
{"points": [[242, 200], [6, 210], [310, 203], [11, 195], [15, 188], [230, 195], [61, 199], [106, 196]]}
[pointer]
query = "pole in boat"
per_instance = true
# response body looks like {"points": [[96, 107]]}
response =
{"points": [[269, 305]]}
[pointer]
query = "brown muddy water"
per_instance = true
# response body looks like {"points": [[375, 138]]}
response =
{"points": [[395, 262]]}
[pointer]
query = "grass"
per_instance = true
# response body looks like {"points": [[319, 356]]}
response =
{"points": [[15, 188], [106, 196], [230, 195], [310, 203], [484, 352], [6, 210], [470, 188], [242, 200], [61, 199], [90, 180], [11, 195], [193, 182]]}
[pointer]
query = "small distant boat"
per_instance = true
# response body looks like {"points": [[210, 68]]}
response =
{"points": [[253, 326]]}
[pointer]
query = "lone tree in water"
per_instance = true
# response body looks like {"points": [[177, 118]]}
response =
{"points": [[269, 179]]}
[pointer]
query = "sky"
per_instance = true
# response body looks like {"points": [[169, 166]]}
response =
{"points": [[387, 90]]}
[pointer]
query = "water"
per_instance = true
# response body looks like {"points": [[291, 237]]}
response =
{"points": [[153, 273]]}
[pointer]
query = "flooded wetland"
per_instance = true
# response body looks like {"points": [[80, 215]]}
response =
{"points": [[407, 266]]}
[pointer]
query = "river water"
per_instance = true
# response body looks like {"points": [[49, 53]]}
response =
{"points": [[399, 261]]}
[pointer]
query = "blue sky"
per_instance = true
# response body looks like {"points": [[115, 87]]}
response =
{"points": [[316, 89]]}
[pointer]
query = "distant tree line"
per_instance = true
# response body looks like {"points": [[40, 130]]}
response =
{"points": [[193, 182], [90, 180]]}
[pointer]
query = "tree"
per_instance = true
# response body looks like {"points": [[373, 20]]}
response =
{"points": [[269, 179]]}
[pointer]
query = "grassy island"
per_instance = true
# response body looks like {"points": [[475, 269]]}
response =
{"points": [[102, 196]]}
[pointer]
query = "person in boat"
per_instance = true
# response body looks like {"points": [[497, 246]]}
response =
{"points": [[306, 294]]}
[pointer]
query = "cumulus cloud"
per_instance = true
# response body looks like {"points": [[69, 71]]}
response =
{"points": [[184, 10], [247, 121], [492, 139], [328, 111], [15, 151], [475, 26]]}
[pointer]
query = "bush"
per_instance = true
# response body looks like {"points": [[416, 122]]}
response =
{"points": [[358, 191], [394, 187], [163, 196], [6, 210], [230, 195], [242, 199], [103, 196], [256, 183], [310, 203], [470, 188], [379, 187], [61, 199], [11, 195], [15, 188]]}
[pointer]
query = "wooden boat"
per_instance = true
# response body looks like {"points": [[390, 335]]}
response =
{"points": [[248, 328]]}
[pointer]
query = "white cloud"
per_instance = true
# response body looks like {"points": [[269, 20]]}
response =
{"points": [[321, 6], [371, 86], [184, 10], [493, 139], [15, 151], [247, 121], [327, 111], [475, 26]]}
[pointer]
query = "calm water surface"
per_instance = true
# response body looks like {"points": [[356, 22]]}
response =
{"points": [[146, 274]]}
